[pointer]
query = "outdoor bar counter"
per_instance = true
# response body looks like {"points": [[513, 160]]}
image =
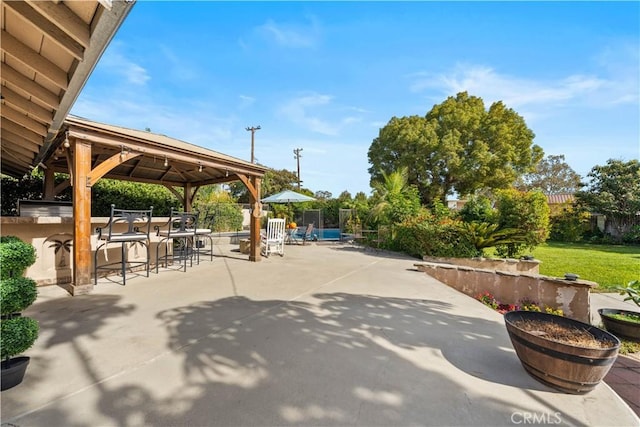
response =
{"points": [[52, 236]]}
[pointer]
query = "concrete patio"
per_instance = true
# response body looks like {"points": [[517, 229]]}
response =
{"points": [[326, 335]]}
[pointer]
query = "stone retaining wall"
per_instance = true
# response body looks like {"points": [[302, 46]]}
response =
{"points": [[501, 264], [511, 287]]}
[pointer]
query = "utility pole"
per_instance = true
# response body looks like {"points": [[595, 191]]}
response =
{"points": [[296, 152], [253, 130]]}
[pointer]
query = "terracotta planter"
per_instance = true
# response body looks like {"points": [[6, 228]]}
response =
{"points": [[13, 371], [620, 327], [569, 368]]}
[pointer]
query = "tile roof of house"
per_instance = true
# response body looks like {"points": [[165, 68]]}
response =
{"points": [[556, 199]]}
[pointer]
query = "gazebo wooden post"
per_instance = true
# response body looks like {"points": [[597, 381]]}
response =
{"points": [[187, 197], [81, 218], [49, 184], [256, 214]]}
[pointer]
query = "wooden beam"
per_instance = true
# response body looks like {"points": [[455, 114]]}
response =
{"points": [[19, 143], [176, 193], [81, 219], [109, 164], [16, 157], [32, 59], [51, 31], [161, 152], [60, 187], [28, 85], [24, 134], [65, 19], [253, 191], [9, 113], [26, 106]]}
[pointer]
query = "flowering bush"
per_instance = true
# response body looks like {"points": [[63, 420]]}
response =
{"points": [[503, 308], [524, 304], [557, 312], [529, 305], [487, 299]]}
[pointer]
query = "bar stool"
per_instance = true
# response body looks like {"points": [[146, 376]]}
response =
{"points": [[138, 226]]}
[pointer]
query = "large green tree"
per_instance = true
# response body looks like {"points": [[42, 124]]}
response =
{"points": [[458, 146], [614, 190], [552, 176]]}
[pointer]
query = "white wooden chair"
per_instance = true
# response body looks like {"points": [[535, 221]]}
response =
{"points": [[272, 241]]}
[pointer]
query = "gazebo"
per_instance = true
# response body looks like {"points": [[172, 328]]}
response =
{"points": [[49, 49]]}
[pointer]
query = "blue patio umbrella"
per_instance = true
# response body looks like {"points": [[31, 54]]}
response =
{"points": [[288, 196]]}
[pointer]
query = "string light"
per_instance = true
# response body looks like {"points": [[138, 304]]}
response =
{"points": [[166, 162], [227, 173], [200, 168], [66, 140], [122, 153]]}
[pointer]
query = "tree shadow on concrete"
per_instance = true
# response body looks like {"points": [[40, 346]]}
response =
{"points": [[64, 322], [336, 359], [332, 359]]}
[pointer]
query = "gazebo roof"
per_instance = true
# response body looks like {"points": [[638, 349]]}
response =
{"points": [[149, 157]]}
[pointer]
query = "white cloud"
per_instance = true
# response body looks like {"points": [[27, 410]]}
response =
{"points": [[115, 62], [515, 92], [297, 111], [616, 83], [178, 65], [291, 35], [246, 101]]}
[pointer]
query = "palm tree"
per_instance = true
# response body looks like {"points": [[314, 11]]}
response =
{"points": [[395, 198]]}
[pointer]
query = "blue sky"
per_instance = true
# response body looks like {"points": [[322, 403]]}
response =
{"points": [[326, 76]]}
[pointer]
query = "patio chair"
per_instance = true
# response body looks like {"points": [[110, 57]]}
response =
{"points": [[180, 230], [308, 234], [204, 232], [125, 227], [273, 238]]}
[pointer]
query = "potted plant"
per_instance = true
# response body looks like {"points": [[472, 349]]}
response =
{"points": [[624, 323], [563, 353], [17, 333]]}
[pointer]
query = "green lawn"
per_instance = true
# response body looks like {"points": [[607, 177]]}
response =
{"points": [[607, 265]]}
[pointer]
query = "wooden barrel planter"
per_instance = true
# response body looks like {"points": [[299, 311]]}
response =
{"points": [[567, 367], [620, 327]]}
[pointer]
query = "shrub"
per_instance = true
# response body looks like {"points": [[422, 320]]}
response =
{"points": [[15, 256], [16, 294], [569, 225], [632, 236], [130, 195], [527, 212], [222, 216], [484, 235], [478, 209], [425, 235], [17, 335]]}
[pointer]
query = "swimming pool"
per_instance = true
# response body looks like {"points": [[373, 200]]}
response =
{"points": [[322, 233], [327, 233]]}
